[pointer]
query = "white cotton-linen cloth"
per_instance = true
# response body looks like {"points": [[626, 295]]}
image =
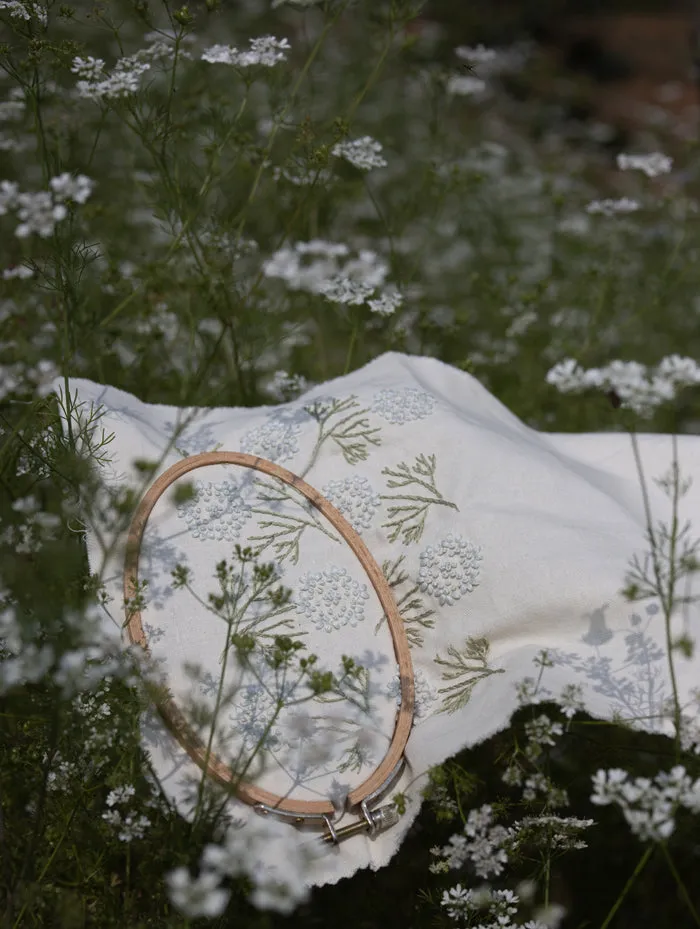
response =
{"points": [[500, 540]]}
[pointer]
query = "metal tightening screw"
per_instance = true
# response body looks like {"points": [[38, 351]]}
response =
{"points": [[382, 818]]}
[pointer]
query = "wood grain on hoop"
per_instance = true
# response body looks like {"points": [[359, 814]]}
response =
{"points": [[171, 713]]}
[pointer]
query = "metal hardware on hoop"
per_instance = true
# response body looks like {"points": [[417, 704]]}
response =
{"points": [[372, 821]]}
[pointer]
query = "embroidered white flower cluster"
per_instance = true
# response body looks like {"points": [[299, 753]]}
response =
{"points": [[217, 513], [424, 693], [450, 569], [331, 599], [277, 440], [355, 499], [403, 406]]}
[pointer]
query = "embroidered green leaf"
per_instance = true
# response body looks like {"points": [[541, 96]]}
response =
{"points": [[283, 531], [466, 667], [408, 518], [345, 423], [414, 613]]}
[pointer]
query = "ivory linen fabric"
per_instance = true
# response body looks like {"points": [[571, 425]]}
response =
{"points": [[500, 541]]}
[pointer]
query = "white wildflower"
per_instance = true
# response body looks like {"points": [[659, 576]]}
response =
{"points": [[652, 165], [386, 303], [12, 109], [89, 69], [363, 153], [639, 388], [285, 386], [611, 207], [9, 194], [20, 272], [123, 81], [120, 795], [25, 10], [196, 897], [266, 51], [67, 187], [344, 290], [475, 55], [465, 85], [38, 213]]}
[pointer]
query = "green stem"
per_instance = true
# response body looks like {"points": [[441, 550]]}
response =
{"points": [[680, 884], [641, 864], [353, 339]]}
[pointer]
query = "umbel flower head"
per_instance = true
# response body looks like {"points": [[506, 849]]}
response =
{"points": [[633, 385]]}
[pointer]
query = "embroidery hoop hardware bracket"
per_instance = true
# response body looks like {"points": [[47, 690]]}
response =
{"points": [[301, 812]]}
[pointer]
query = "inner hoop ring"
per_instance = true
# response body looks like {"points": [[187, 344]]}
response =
{"points": [[171, 714]]}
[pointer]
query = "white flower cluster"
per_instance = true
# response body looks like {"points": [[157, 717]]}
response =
{"points": [[425, 695], [355, 499], [478, 54], [611, 207], [652, 165], [649, 806], [19, 272], [285, 386], [40, 212], [274, 888], [403, 406], [450, 569], [218, 511], [276, 440], [95, 84], [639, 388], [129, 824], [344, 290], [14, 107], [311, 266], [497, 906], [331, 599], [465, 85], [364, 153], [386, 304], [25, 10], [481, 843], [266, 51]]}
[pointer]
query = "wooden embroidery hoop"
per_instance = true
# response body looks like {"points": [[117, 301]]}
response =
{"points": [[299, 811]]}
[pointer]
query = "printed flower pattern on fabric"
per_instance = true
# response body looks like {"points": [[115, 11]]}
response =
{"points": [[425, 693], [403, 406], [450, 568], [277, 439], [355, 499], [218, 511], [331, 599]]}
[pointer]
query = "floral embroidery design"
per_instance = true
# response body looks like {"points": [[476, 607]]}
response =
{"points": [[403, 406], [414, 613], [346, 424], [355, 499], [450, 569], [277, 439], [407, 518], [466, 667], [331, 599], [425, 693], [217, 512], [283, 531]]}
